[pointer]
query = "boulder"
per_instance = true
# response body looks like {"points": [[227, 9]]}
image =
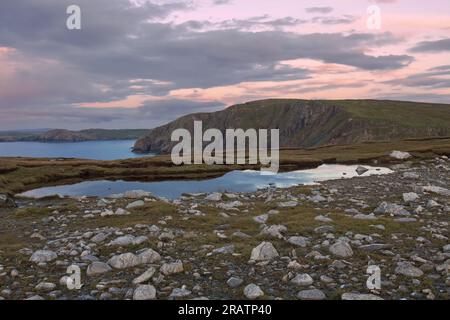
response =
{"points": [[263, 252]]}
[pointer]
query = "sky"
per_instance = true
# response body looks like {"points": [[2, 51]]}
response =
{"points": [[140, 64]]}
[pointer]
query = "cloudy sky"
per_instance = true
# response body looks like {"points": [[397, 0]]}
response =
{"points": [[139, 64]]}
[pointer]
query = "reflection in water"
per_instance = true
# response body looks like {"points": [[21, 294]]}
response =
{"points": [[235, 181]]}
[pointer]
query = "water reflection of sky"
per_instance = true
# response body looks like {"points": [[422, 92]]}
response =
{"points": [[235, 181]]}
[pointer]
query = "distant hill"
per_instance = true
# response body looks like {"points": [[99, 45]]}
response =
{"points": [[310, 123], [61, 135]]}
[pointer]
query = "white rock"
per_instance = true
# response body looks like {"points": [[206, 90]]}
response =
{"points": [[145, 276], [149, 256], [360, 296], [172, 268], [135, 204], [137, 194], [45, 286], [252, 291], [410, 197], [407, 269], [216, 196], [144, 292], [43, 256], [303, 280], [341, 249], [298, 241], [400, 155], [264, 251], [124, 261], [97, 268], [313, 294], [438, 190]]}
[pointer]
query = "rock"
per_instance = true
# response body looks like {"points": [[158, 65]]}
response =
{"points": [[35, 297], [261, 218], [225, 249], [360, 170], [360, 296], [341, 249], [137, 194], [400, 155], [446, 248], [144, 292], [6, 201], [323, 219], [135, 204], [45, 286], [145, 276], [149, 256], [216, 196], [391, 208], [439, 190], [121, 212], [180, 293], [407, 269], [361, 216], [124, 261], [288, 204], [313, 294], [43, 256], [303, 280], [230, 205], [97, 268], [172, 268], [274, 231], [374, 247], [317, 198], [298, 241], [410, 197], [264, 251], [432, 204], [122, 241], [410, 175], [252, 291], [234, 282]]}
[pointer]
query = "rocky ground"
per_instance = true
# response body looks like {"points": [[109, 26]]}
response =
{"points": [[306, 242]]}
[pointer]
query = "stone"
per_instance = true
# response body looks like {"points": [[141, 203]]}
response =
{"points": [[124, 261], [298, 241], [224, 250], [407, 269], [274, 231], [43, 256], [252, 291], [341, 249], [446, 248], [35, 297], [172, 268], [374, 247], [439, 190], [97, 268], [216, 196], [303, 280], [317, 198], [45, 286], [360, 170], [313, 294], [234, 282], [122, 241], [323, 219], [410, 175], [263, 252], [180, 293], [288, 204], [391, 208], [137, 194], [410, 197], [149, 256], [360, 296], [121, 212], [135, 204], [147, 275], [144, 292], [400, 155], [261, 218]]}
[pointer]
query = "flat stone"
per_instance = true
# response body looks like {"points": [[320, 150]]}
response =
{"points": [[407, 269], [135, 204], [147, 275], [234, 282], [410, 197], [298, 241], [360, 296], [391, 208], [400, 155], [124, 261], [45, 286], [313, 294], [216, 196], [43, 256]]}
